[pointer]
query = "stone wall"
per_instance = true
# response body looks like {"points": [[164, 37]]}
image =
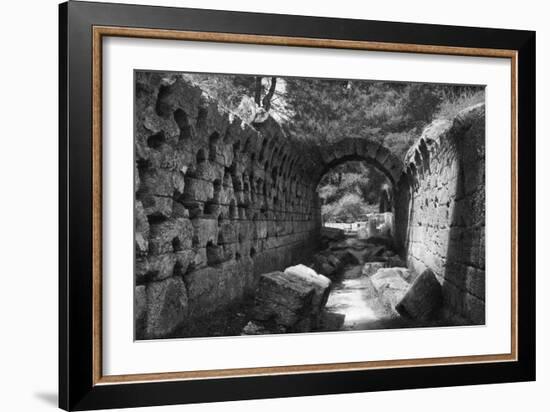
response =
{"points": [[440, 210], [218, 202]]}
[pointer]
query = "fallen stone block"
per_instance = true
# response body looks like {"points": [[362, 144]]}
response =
{"points": [[370, 268], [390, 286], [283, 299], [405, 273], [322, 265], [292, 299], [423, 298], [375, 254], [334, 261], [320, 283], [346, 257]]}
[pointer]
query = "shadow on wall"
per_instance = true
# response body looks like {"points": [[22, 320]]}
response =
{"points": [[464, 284], [440, 211]]}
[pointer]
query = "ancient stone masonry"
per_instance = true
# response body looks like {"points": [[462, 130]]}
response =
{"points": [[440, 210], [363, 149], [218, 202]]}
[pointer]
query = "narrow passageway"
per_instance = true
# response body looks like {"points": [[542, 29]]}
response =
{"points": [[355, 297], [366, 290]]}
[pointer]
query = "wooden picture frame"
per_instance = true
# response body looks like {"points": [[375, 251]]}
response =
{"points": [[82, 28]]}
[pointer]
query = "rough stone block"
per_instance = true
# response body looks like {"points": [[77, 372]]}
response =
{"points": [[153, 205], [158, 182], [205, 230], [167, 306], [320, 283], [346, 257], [371, 149], [158, 267], [141, 230], [474, 309], [140, 307], [423, 299], [215, 255], [390, 285], [227, 233], [370, 268], [283, 299], [203, 290], [475, 282], [179, 95], [207, 171], [172, 235], [261, 229], [198, 190]]}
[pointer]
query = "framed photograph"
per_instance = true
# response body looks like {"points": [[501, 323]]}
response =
{"points": [[256, 206]]}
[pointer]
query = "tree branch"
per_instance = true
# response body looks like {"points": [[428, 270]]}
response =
{"points": [[258, 90], [267, 98]]}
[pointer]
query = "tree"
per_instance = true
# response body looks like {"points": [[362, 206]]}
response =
{"points": [[327, 110]]}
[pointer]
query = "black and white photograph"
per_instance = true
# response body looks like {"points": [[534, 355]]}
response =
{"points": [[269, 204]]}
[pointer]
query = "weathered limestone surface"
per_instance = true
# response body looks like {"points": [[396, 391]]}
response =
{"points": [[320, 283], [423, 299], [292, 300], [391, 286], [440, 210], [218, 202]]}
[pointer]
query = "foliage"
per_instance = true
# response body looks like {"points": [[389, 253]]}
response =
{"points": [[452, 104], [328, 110], [350, 191]]}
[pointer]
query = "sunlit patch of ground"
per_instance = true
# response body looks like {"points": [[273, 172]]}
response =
{"points": [[355, 297]]}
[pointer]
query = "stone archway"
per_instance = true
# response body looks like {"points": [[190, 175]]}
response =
{"points": [[372, 153], [361, 149]]}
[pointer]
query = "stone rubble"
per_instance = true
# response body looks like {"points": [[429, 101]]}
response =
{"points": [[292, 300], [423, 299]]}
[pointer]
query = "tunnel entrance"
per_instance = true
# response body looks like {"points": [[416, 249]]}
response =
{"points": [[357, 198], [357, 214]]}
